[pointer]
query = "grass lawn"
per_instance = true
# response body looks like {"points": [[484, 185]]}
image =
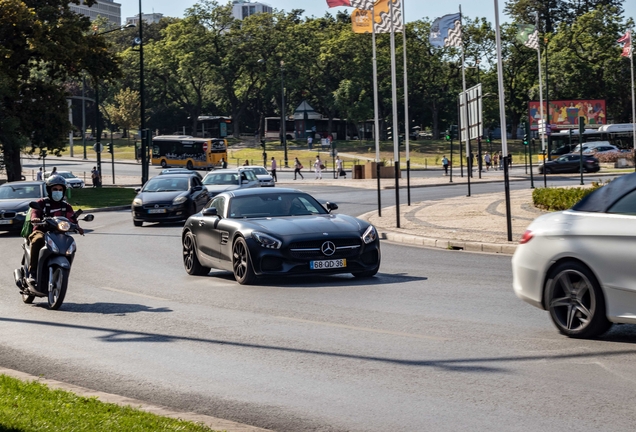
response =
{"points": [[88, 198], [423, 153], [31, 406]]}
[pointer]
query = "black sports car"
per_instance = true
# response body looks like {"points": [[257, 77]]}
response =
{"points": [[253, 233], [14, 202], [570, 163], [169, 198]]}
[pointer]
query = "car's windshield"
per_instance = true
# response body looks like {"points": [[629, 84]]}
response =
{"points": [[259, 170], [67, 175], [9, 191], [274, 205], [166, 185], [221, 179]]}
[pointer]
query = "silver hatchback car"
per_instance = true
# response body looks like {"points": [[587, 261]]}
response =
{"points": [[224, 180]]}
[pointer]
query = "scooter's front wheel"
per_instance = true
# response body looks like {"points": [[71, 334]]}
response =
{"points": [[57, 287]]}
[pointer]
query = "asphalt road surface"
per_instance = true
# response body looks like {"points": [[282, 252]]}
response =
{"points": [[437, 341]]}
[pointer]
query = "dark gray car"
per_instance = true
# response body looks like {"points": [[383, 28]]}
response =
{"points": [[14, 202]]}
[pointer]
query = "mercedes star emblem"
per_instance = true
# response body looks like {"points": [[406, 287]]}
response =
{"points": [[328, 248]]}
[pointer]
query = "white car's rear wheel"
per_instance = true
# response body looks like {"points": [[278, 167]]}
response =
{"points": [[575, 301]]}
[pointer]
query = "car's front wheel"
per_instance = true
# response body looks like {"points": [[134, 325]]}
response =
{"points": [[190, 260], [242, 263], [575, 301]]}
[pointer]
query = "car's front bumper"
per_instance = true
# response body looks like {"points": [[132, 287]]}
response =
{"points": [[171, 213]]}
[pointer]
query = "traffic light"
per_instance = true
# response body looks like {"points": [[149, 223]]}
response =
{"points": [[454, 132], [489, 139], [389, 133], [447, 135], [526, 135], [263, 144], [110, 147]]}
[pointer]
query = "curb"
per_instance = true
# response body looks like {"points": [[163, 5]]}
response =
{"points": [[459, 245], [212, 422]]}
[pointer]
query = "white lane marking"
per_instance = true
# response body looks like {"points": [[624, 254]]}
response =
{"points": [[364, 329], [134, 294]]}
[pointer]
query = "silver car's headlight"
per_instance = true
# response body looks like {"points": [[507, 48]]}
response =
{"points": [[137, 202], [266, 241], [370, 235], [179, 200]]}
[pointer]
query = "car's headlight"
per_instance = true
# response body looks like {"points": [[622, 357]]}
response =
{"points": [[21, 213], [370, 235], [179, 200], [266, 241], [137, 202], [71, 248]]}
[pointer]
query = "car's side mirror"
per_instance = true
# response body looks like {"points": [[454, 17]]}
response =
{"points": [[245, 181], [137, 189], [331, 206], [197, 188], [210, 211]]}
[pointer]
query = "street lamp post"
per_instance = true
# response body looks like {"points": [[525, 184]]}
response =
{"points": [[143, 132], [283, 120]]}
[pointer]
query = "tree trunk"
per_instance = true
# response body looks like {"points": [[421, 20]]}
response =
{"points": [[12, 160]]}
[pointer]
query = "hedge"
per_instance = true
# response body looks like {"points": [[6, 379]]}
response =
{"points": [[557, 199]]}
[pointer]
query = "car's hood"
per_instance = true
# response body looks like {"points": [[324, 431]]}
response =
{"points": [[221, 188], [158, 197], [318, 224], [264, 177], [20, 205]]}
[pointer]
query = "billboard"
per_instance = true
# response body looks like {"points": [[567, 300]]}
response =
{"points": [[564, 114]]}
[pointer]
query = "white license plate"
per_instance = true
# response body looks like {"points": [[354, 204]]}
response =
{"points": [[6, 221], [157, 211], [327, 264]]}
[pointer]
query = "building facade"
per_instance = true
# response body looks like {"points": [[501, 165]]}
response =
{"points": [[152, 18], [105, 8], [241, 9]]}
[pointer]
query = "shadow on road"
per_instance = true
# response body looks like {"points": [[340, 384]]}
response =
{"points": [[108, 308]]}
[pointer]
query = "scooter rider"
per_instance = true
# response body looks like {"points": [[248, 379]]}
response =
{"points": [[51, 206]]}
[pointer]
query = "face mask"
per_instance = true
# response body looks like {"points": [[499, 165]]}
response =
{"points": [[57, 195]]}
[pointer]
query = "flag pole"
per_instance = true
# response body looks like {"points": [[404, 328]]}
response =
{"points": [[376, 120], [545, 129], [395, 130], [407, 124], [631, 59], [465, 100], [502, 119]]}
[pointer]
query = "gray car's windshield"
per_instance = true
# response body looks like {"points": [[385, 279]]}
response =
{"points": [[67, 175], [221, 179], [166, 184], [259, 170], [8, 191], [274, 205]]}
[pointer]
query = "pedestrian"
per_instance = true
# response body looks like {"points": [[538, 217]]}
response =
{"points": [[246, 163], [495, 162], [488, 161], [501, 161], [39, 175], [318, 167], [297, 167], [223, 163], [509, 159], [310, 142], [274, 169], [445, 164], [95, 177], [339, 168], [53, 171]]}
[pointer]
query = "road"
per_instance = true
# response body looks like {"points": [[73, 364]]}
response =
{"points": [[437, 341]]}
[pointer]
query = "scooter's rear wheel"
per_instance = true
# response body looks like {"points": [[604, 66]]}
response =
{"points": [[57, 287]]}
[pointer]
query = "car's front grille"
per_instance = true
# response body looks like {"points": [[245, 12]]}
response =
{"points": [[8, 215], [160, 205], [345, 248]]}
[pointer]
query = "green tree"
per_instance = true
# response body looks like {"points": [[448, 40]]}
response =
{"points": [[125, 111]]}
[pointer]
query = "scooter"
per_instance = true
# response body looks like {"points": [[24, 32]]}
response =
{"points": [[55, 260]]}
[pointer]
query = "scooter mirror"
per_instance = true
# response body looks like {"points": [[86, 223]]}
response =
{"points": [[88, 218]]}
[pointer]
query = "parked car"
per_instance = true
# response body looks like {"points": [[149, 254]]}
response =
{"points": [[169, 198], [14, 202], [180, 171], [579, 264], [263, 176], [277, 232], [229, 179], [587, 146], [570, 163], [601, 149], [71, 179]]}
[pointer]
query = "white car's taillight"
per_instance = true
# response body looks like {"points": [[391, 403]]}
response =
{"points": [[526, 237]]}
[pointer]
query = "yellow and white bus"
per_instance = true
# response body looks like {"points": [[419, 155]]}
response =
{"points": [[188, 152]]}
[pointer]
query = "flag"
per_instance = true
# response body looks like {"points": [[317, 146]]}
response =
{"points": [[528, 35], [446, 31], [361, 19], [359, 4], [627, 44]]}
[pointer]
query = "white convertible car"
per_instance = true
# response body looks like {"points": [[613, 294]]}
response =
{"points": [[580, 264]]}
